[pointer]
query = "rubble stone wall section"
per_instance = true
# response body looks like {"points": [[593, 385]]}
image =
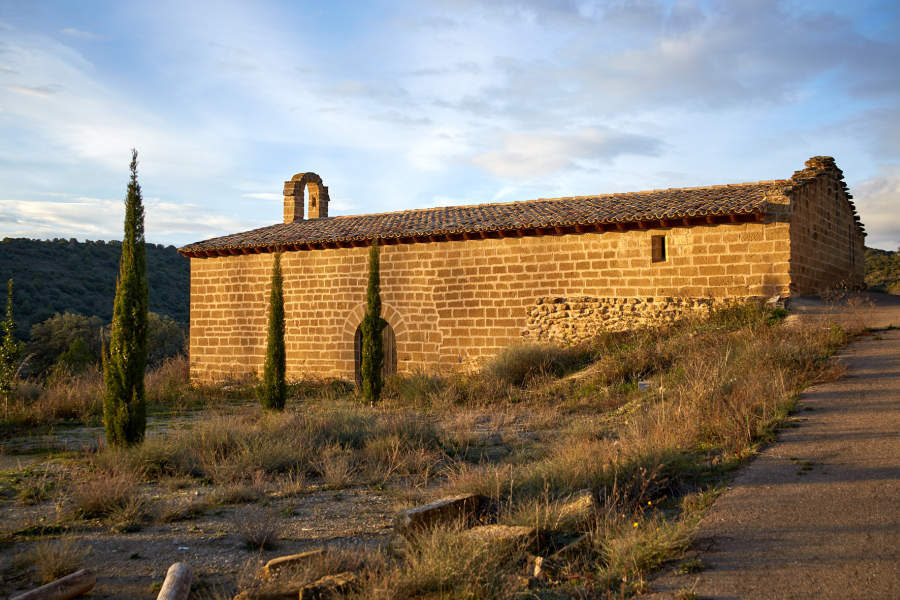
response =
{"points": [[453, 304], [573, 320]]}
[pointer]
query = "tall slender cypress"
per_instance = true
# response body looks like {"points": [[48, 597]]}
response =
{"points": [[124, 362], [10, 348], [274, 386], [372, 326]]}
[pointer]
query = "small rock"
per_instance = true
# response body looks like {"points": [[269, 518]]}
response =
{"points": [[503, 537], [329, 586], [463, 509], [578, 510]]}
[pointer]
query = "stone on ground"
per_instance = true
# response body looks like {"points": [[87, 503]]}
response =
{"points": [[503, 537], [446, 511]]}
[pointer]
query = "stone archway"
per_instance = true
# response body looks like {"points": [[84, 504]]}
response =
{"points": [[347, 347]]}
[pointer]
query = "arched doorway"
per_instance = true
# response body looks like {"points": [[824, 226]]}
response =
{"points": [[389, 342]]}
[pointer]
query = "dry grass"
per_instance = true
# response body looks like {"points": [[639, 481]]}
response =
{"points": [[445, 563], [711, 391], [52, 559], [257, 528], [62, 397], [37, 488], [182, 509], [79, 397], [340, 443], [333, 561], [168, 383], [105, 494]]}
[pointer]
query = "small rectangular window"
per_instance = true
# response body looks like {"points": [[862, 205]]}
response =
{"points": [[658, 248]]}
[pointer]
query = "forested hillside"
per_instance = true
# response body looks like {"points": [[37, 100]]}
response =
{"points": [[883, 270], [57, 276]]}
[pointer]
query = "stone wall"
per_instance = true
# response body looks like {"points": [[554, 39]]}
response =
{"points": [[574, 320], [452, 304], [827, 246]]}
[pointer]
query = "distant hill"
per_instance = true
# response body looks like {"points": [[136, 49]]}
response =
{"points": [[55, 276], [883, 270]]}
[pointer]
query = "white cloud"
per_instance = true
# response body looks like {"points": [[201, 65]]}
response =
{"points": [[878, 202], [64, 104], [78, 33], [99, 218], [536, 154], [263, 196]]}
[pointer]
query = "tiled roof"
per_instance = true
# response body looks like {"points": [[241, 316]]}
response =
{"points": [[726, 200]]}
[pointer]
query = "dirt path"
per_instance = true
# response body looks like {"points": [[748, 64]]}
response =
{"points": [[816, 515]]}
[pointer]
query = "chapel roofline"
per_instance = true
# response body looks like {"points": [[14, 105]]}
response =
{"points": [[650, 209]]}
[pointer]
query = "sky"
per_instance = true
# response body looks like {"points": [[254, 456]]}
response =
{"points": [[400, 105]]}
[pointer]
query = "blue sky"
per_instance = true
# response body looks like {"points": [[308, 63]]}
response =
{"points": [[403, 105]]}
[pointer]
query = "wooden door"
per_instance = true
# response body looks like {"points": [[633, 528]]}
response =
{"points": [[389, 343]]}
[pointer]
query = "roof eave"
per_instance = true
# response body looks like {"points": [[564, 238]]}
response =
{"points": [[600, 226]]}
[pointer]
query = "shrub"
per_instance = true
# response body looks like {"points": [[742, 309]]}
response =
{"points": [[124, 404], [274, 388], [517, 365], [169, 382], [372, 326], [78, 397], [10, 349], [55, 336], [256, 527], [53, 559], [103, 494], [165, 338], [183, 509]]}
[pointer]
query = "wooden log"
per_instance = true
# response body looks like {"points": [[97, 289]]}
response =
{"points": [[70, 586], [178, 581]]}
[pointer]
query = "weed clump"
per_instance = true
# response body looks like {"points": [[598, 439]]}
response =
{"points": [[53, 559], [517, 365]]}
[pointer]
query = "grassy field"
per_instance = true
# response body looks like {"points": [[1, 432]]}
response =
{"points": [[651, 421]]}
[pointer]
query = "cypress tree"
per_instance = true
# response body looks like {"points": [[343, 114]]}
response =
{"points": [[124, 362], [274, 387], [372, 326], [10, 349]]}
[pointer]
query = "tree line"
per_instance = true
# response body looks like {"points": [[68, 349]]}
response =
{"points": [[60, 276], [883, 270]]}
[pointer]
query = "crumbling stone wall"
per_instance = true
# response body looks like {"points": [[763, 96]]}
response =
{"points": [[574, 320], [827, 245]]}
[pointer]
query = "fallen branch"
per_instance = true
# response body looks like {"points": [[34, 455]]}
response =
{"points": [[70, 586]]}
